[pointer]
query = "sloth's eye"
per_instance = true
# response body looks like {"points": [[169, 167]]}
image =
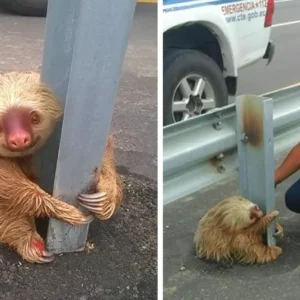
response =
{"points": [[35, 118]]}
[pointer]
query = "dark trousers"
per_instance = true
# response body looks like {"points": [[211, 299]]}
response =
{"points": [[292, 197]]}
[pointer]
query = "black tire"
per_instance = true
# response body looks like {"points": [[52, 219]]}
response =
{"points": [[33, 8], [180, 63]]}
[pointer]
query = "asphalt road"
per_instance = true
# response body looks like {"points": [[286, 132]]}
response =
{"points": [[122, 265], [188, 278], [284, 69]]}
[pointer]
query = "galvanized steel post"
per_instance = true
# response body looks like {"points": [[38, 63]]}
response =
{"points": [[256, 153], [85, 44]]}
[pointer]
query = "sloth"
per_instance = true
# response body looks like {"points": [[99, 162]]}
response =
{"points": [[233, 231], [29, 111]]}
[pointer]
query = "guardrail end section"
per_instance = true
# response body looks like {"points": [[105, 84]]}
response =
{"points": [[256, 153]]}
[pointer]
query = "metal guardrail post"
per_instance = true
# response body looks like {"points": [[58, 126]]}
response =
{"points": [[255, 141], [84, 49]]}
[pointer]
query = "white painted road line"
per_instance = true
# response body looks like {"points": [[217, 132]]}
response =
{"points": [[286, 24], [281, 89], [279, 1]]}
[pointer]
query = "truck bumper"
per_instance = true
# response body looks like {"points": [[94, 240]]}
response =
{"points": [[269, 52]]}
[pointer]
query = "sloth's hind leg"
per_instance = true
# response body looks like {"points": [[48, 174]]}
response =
{"points": [[20, 234]]}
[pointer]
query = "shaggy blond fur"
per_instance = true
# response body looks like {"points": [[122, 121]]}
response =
{"points": [[226, 232], [21, 199], [109, 182], [25, 90]]}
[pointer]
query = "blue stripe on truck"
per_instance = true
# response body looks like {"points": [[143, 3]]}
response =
{"points": [[190, 4], [167, 2]]}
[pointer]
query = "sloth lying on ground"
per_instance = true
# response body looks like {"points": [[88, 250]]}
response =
{"points": [[232, 230], [28, 114]]}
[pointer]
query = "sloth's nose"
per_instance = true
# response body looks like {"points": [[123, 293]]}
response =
{"points": [[19, 140]]}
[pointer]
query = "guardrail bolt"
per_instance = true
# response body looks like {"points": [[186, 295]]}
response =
{"points": [[221, 169], [244, 138], [220, 156], [218, 125]]}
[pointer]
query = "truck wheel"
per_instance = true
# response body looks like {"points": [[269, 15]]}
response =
{"points": [[193, 84], [33, 8]]}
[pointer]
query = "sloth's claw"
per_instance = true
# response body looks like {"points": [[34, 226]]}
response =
{"points": [[42, 256], [278, 231], [90, 198], [92, 202], [93, 208], [88, 219], [46, 258], [97, 203]]}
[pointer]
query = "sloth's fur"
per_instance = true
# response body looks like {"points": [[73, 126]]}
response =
{"points": [[226, 232], [21, 199]]}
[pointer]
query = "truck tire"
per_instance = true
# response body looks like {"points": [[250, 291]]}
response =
{"points": [[178, 65], [33, 8]]}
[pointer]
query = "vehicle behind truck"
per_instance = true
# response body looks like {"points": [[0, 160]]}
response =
{"points": [[206, 43]]}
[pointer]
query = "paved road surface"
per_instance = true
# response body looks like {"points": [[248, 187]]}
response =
{"points": [[188, 278], [285, 68], [122, 265]]}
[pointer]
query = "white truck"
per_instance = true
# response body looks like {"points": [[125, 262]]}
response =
{"points": [[205, 44]]}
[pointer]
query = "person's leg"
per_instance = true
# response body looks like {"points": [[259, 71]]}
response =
{"points": [[292, 197]]}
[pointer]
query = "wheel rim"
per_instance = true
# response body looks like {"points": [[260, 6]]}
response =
{"points": [[193, 96]]}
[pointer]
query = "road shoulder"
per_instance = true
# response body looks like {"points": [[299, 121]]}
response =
{"points": [[186, 277]]}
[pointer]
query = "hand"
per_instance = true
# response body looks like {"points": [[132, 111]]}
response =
{"points": [[276, 178]]}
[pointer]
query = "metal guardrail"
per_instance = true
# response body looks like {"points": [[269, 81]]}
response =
{"points": [[203, 150]]}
